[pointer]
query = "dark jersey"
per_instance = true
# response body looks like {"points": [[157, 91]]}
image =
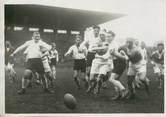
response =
{"points": [[158, 57], [121, 50]]}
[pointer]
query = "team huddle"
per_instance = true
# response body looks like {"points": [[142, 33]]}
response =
{"points": [[98, 59]]}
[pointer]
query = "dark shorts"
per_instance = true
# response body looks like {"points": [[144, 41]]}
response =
{"points": [[90, 57], [119, 66], [80, 64], [6, 61], [35, 64], [53, 61]]}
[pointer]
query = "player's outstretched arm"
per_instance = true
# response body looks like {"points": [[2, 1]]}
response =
{"points": [[99, 48], [69, 52], [123, 53], [20, 48], [118, 55]]}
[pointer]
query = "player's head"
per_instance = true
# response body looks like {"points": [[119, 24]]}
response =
{"points": [[103, 35], [110, 36], [36, 36], [160, 47], [130, 42], [96, 30], [53, 45], [78, 39], [7, 44], [143, 45], [136, 42]]}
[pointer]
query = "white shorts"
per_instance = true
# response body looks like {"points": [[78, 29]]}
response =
{"points": [[99, 68], [133, 69], [159, 69], [46, 66]]}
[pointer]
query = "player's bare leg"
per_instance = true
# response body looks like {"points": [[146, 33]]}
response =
{"points": [[45, 83], [76, 79], [137, 82], [87, 77], [38, 80], [105, 79], [49, 76], [83, 77], [92, 83], [144, 80], [100, 78], [119, 87], [53, 68], [29, 81], [131, 93], [25, 81]]}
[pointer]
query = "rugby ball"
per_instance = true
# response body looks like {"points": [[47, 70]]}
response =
{"points": [[135, 56], [70, 101]]}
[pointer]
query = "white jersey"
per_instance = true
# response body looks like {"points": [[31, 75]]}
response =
{"points": [[77, 52], [33, 50], [103, 63], [107, 57], [113, 47], [92, 42], [102, 59]]}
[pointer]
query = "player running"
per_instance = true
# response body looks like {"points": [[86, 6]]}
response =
{"points": [[54, 58], [137, 66], [157, 58], [78, 53], [34, 61]]}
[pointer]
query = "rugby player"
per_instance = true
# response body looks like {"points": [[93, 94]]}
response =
{"points": [[34, 60], [46, 65], [119, 59], [90, 42], [54, 58], [78, 53], [157, 58], [137, 66], [99, 65], [9, 62], [137, 82]]}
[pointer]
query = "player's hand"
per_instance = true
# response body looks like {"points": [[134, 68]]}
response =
{"points": [[12, 55], [153, 63], [66, 54], [127, 58]]}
